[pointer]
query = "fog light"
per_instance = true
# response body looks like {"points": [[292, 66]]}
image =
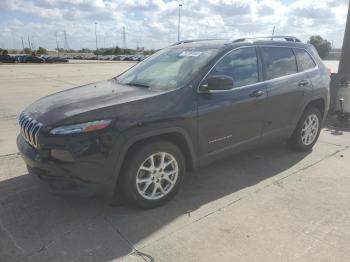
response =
{"points": [[62, 155]]}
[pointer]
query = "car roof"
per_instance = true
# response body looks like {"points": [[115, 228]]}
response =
{"points": [[229, 44]]}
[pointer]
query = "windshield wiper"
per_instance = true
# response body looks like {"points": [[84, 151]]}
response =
{"points": [[136, 84]]}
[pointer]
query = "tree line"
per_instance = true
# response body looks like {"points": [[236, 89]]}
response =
{"points": [[102, 51], [323, 47]]}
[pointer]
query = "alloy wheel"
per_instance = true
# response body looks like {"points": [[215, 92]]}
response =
{"points": [[309, 130], [157, 176]]}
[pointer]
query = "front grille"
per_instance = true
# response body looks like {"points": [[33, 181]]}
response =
{"points": [[29, 129]]}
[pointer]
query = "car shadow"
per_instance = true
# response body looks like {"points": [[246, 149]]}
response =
{"points": [[336, 127], [37, 226]]}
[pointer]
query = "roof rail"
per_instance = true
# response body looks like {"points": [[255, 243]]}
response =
{"points": [[194, 40], [286, 38]]}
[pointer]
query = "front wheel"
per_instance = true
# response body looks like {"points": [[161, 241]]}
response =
{"points": [[307, 131], [152, 174]]}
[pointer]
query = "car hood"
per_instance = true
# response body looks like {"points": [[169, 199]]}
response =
{"points": [[66, 104]]}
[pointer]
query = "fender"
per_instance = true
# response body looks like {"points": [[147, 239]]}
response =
{"points": [[152, 134], [326, 101], [312, 100]]}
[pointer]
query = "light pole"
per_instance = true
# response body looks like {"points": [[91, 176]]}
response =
{"points": [[96, 38], [58, 48], [178, 25]]}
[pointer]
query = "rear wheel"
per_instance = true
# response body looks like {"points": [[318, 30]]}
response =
{"points": [[152, 174], [307, 131]]}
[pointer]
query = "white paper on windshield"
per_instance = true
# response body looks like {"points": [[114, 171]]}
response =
{"points": [[190, 53]]}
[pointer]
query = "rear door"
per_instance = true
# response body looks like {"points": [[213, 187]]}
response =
{"points": [[307, 64], [286, 90]]}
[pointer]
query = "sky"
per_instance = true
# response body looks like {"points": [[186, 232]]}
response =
{"points": [[154, 23]]}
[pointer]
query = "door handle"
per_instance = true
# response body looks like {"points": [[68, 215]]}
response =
{"points": [[303, 83], [257, 93]]}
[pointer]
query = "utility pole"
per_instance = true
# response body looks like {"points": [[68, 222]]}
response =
{"points": [[22, 43], [178, 24], [29, 42], [66, 46], [32, 46]]}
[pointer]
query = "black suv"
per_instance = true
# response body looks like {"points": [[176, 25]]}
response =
{"points": [[182, 108]]}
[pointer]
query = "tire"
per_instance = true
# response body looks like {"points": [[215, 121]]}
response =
{"points": [[300, 141], [160, 185]]}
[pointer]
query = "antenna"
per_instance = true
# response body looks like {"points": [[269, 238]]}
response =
{"points": [[273, 32]]}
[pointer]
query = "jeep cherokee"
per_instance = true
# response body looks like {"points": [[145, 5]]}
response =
{"points": [[180, 109]]}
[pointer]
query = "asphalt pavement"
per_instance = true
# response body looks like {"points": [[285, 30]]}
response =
{"points": [[268, 204]]}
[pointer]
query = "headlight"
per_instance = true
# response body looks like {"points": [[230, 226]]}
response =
{"points": [[81, 128]]}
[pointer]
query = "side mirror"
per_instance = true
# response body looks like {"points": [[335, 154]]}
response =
{"points": [[217, 82]]}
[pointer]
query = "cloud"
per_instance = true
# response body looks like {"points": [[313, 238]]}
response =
{"points": [[153, 23]]}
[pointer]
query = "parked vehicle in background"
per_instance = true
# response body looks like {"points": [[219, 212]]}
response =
{"points": [[186, 106], [44, 57], [56, 59], [19, 58], [137, 58], [123, 58], [32, 59], [6, 58], [63, 59]]}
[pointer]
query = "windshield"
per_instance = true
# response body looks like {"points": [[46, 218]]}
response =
{"points": [[168, 69]]}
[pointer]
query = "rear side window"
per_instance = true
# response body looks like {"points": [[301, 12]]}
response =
{"points": [[241, 65], [278, 61], [304, 59]]}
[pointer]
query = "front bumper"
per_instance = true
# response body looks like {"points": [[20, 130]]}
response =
{"points": [[84, 176], [62, 185]]}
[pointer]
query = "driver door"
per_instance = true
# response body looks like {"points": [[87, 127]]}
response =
{"points": [[231, 120]]}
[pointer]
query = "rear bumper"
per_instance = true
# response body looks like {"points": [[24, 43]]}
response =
{"points": [[81, 178]]}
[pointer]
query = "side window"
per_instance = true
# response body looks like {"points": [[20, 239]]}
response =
{"points": [[304, 59], [278, 61], [241, 65]]}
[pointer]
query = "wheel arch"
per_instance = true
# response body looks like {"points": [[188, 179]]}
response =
{"points": [[295, 140], [320, 104], [178, 136]]}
